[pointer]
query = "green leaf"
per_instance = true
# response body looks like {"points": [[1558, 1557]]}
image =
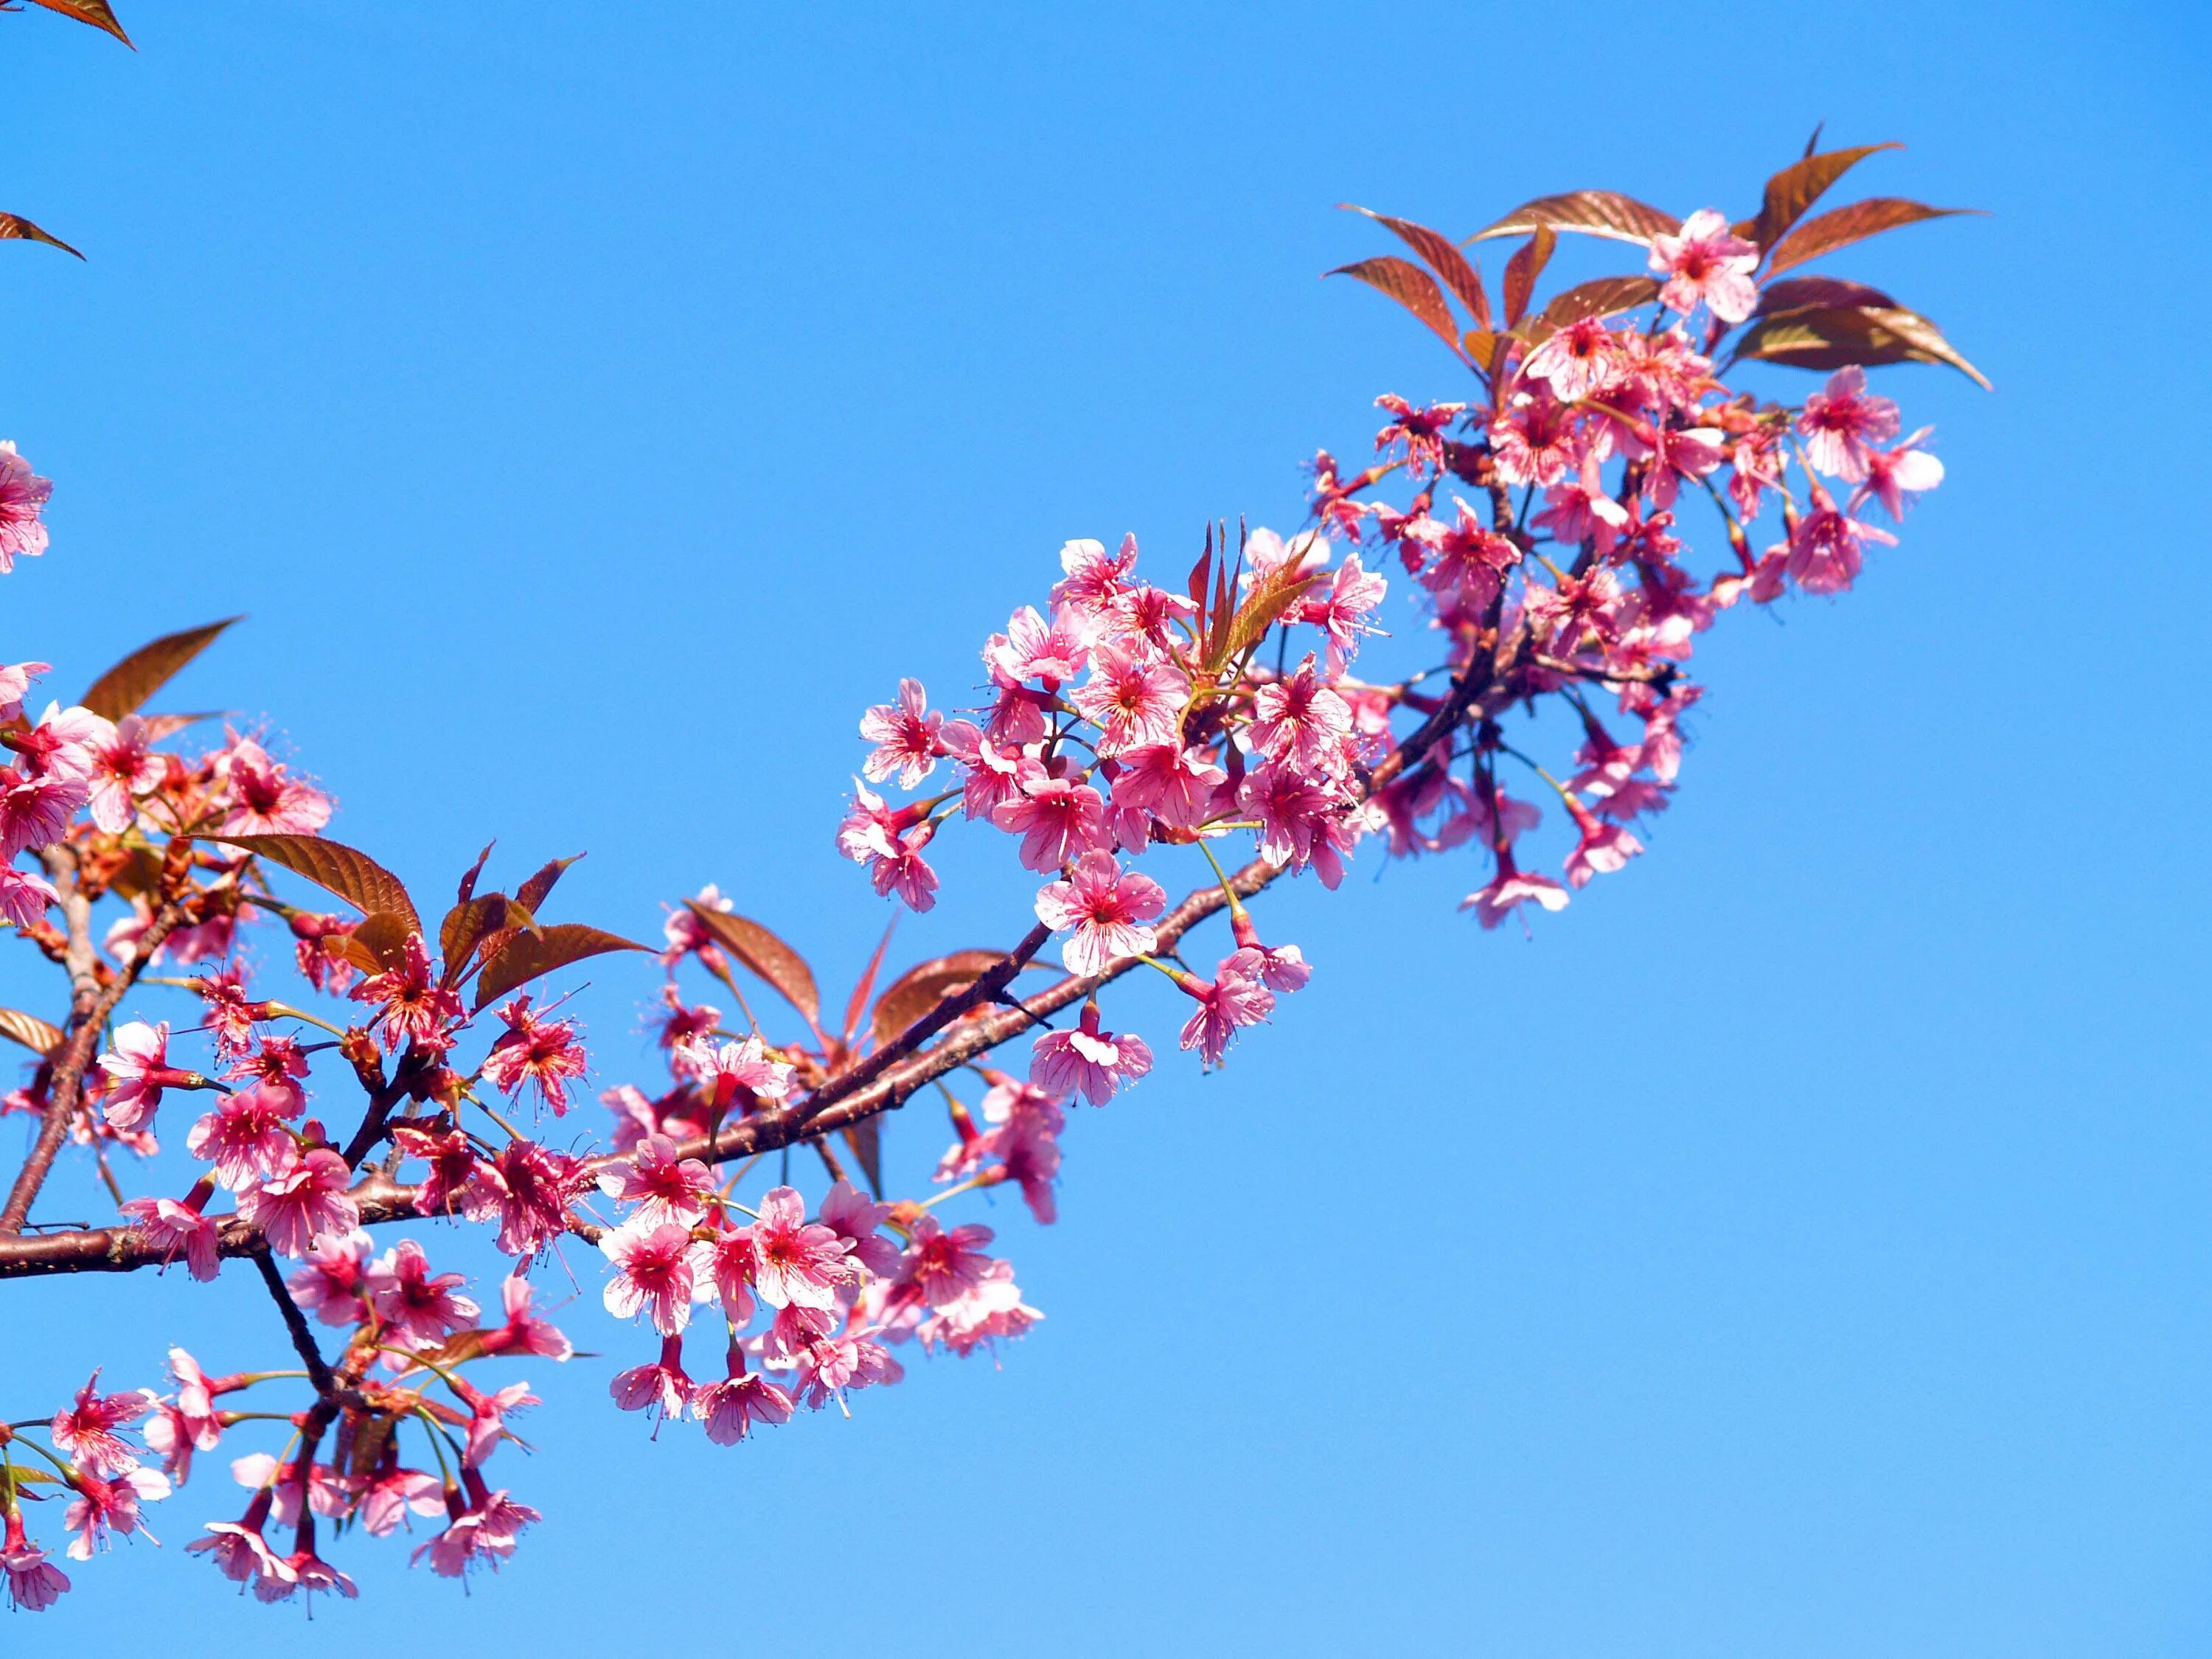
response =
{"points": [[354, 876], [1411, 286], [1592, 212], [765, 955], [526, 955], [14, 227], [1445, 258], [1847, 225], [1798, 186], [124, 688]]}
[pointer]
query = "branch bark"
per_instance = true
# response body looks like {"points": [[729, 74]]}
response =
{"points": [[90, 1007], [879, 1084]]}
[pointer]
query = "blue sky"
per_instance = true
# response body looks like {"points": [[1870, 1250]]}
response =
{"points": [[1799, 1248]]}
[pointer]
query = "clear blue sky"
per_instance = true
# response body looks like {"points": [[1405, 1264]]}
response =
{"points": [[1800, 1248]]}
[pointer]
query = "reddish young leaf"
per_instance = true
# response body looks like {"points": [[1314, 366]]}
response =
{"points": [[98, 13], [378, 943], [30, 1030], [527, 955], [922, 988], [1484, 349], [866, 1140], [354, 876], [468, 924], [1603, 296], [1797, 293], [468, 888], [123, 688], [1847, 225], [1523, 269], [1800, 184], [857, 1004], [16, 227], [766, 955], [1836, 337], [1592, 212], [1411, 286], [1444, 258], [1271, 596], [531, 894]]}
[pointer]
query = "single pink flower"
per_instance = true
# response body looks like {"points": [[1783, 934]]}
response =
{"points": [[657, 1269], [542, 1052], [664, 1187], [1232, 999], [1841, 425], [265, 799], [1104, 910], [1509, 889], [33, 1583], [1057, 818], [172, 1227], [24, 897], [940, 1266], [795, 1261], [1705, 261], [418, 1309], [1087, 1059], [1301, 718], [1135, 700], [728, 1409], [1893, 474], [87, 1430], [302, 1203], [23, 496], [905, 734]]}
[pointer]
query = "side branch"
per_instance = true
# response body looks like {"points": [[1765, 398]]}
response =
{"points": [[90, 1007]]}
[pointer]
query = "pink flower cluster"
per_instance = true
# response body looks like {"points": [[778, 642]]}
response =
{"points": [[1124, 732]]}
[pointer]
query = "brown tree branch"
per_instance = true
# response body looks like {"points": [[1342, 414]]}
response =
{"points": [[90, 1007], [880, 1083]]}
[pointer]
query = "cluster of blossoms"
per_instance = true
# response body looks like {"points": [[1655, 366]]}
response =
{"points": [[1123, 727]]}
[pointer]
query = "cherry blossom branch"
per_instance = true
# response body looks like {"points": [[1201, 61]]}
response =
{"points": [[89, 1006], [295, 1324]]}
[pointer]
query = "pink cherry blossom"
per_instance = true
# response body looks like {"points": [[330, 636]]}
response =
{"points": [[656, 1270], [1842, 423], [1135, 700], [1232, 999], [940, 1265], [173, 1227], [1057, 819], [795, 1261], [541, 1052], [729, 1408], [1087, 1059], [24, 897], [87, 1430], [302, 1203], [34, 1582], [418, 1309], [1892, 475], [1509, 889], [664, 1187], [1705, 261], [905, 734], [1103, 911], [1300, 719], [23, 501]]}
